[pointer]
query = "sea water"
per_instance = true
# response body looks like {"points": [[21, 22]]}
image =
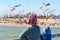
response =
{"points": [[9, 33]]}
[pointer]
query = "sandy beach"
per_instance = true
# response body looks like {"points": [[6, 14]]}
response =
{"points": [[49, 22], [40, 22]]}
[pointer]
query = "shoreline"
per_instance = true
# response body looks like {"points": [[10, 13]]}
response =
{"points": [[12, 24], [24, 25]]}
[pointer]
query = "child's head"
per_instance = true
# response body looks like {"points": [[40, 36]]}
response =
{"points": [[32, 19]]}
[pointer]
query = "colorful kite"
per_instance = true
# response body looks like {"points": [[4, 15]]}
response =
{"points": [[17, 5], [12, 9], [47, 4], [44, 5]]}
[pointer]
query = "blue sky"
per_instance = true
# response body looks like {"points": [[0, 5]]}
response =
{"points": [[34, 6]]}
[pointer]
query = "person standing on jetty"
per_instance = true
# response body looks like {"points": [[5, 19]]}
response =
{"points": [[33, 32]]}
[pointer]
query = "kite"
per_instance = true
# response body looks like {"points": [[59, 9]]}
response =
{"points": [[12, 9], [46, 10], [28, 3], [51, 11], [45, 5], [23, 11], [17, 5], [42, 7]]}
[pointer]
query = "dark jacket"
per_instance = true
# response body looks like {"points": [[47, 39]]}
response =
{"points": [[33, 33]]}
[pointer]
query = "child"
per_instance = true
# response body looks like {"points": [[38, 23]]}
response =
{"points": [[46, 35], [33, 33]]}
